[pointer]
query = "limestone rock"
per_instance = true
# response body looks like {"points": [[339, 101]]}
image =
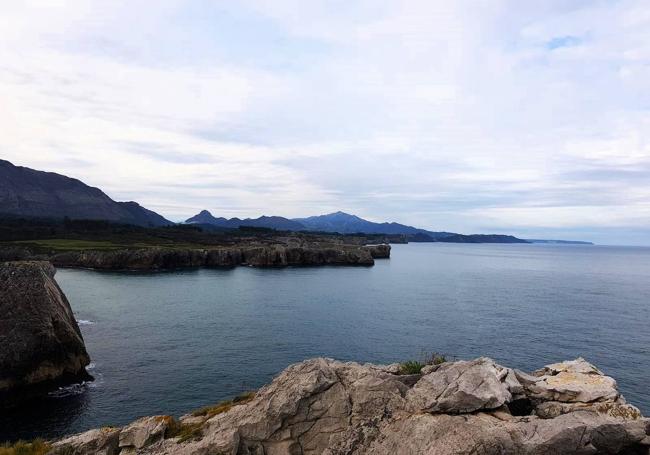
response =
{"points": [[323, 406], [104, 441], [381, 251], [274, 255], [461, 387], [575, 381], [40, 341], [143, 432]]}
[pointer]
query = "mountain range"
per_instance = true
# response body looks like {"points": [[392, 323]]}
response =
{"points": [[339, 222], [271, 222], [344, 223], [27, 192]]}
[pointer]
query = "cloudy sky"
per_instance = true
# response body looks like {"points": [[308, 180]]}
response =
{"points": [[522, 117]]}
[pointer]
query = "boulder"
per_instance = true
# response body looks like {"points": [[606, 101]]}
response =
{"points": [[40, 342], [103, 441], [462, 387], [143, 432], [575, 381]]}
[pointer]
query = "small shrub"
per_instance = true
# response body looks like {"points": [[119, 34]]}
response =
{"points": [[434, 358], [410, 367], [415, 366], [35, 447]]}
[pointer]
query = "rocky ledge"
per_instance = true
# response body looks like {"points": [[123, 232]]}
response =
{"points": [[323, 406], [256, 256], [40, 342]]}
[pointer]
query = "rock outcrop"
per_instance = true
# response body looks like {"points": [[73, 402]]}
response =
{"points": [[40, 341], [381, 251], [257, 256], [323, 406]]}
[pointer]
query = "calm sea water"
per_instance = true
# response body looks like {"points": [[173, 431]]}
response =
{"points": [[171, 342]]}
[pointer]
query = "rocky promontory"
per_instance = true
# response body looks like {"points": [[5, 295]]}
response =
{"points": [[323, 406], [40, 342], [227, 256]]}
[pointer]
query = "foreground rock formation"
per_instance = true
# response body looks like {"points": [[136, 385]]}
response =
{"points": [[40, 341], [323, 406], [256, 256]]}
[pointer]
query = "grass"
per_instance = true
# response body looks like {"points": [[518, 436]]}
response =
{"points": [[224, 406], [410, 367], [415, 366], [192, 431], [184, 431], [61, 245], [35, 447], [71, 244]]}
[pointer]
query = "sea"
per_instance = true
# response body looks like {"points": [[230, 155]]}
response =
{"points": [[170, 342]]}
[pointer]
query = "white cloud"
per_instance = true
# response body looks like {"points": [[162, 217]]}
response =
{"points": [[448, 115]]}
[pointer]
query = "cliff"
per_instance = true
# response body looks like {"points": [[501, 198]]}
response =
{"points": [[253, 255], [323, 406], [40, 341]]}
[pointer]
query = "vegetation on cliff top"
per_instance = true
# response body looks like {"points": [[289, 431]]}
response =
{"points": [[35, 447], [51, 236], [188, 431], [415, 366]]}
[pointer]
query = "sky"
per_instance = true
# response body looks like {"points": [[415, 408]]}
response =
{"points": [[522, 117]]}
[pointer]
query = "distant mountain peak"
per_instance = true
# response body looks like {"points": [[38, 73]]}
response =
{"points": [[271, 222], [53, 195]]}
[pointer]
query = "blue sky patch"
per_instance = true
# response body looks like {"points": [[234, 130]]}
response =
{"points": [[563, 41]]}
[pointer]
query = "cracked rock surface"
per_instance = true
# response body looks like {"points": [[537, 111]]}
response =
{"points": [[323, 406]]}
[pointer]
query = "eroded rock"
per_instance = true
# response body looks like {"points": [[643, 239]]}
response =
{"points": [[575, 381], [40, 341], [143, 432], [256, 256], [103, 441], [461, 387]]}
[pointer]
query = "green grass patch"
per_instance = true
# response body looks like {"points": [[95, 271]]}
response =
{"points": [[71, 244], [35, 447], [410, 367], [193, 431], [415, 366], [61, 245]]}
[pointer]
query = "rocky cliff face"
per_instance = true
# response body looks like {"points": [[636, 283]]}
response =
{"points": [[258, 256], [381, 251], [323, 406], [40, 341]]}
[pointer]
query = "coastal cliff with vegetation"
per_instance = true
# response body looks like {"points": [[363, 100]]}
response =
{"points": [[254, 255], [109, 246]]}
